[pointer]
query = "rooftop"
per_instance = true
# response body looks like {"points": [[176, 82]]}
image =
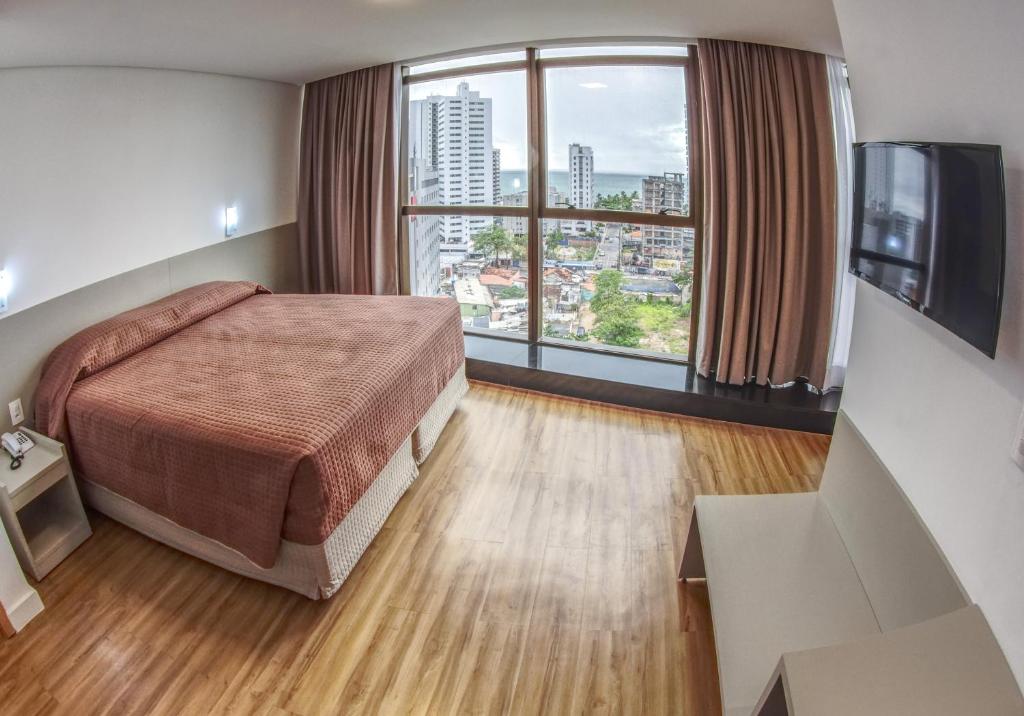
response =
{"points": [[471, 292]]}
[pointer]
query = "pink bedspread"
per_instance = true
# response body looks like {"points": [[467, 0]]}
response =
{"points": [[245, 416]]}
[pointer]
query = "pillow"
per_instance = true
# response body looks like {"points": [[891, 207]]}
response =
{"points": [[101, 345]]}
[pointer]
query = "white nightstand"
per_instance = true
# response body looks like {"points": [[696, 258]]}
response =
{"points": [[40, 506]]}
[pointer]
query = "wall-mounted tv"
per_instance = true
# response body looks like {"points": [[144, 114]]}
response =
{"points": [[929, 227]]}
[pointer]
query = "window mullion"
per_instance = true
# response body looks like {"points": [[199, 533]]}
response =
{"points": [[464, 210], [535, 196]]}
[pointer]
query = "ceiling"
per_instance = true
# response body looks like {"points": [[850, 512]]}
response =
{"points": [[304, 40]]}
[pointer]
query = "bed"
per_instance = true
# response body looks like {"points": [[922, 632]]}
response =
{"points": [[268, 434]]}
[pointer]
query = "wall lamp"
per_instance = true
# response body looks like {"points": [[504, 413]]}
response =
{"points": [[230, 220], [5, 288]]}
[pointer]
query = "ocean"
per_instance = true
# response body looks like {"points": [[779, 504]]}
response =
{"points": [[605, 184]]}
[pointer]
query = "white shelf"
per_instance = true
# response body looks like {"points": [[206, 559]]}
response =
{"points": [[949, 665], [40, 507], [35, 463]]}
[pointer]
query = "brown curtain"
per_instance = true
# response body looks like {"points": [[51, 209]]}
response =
{"points": [[348, 183], [769, 214]]}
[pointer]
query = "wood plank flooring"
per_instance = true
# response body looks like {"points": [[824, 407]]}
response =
{"points": [[530, 569]]}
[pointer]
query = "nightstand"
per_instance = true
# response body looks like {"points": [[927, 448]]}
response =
{"points": [[40, 506]]}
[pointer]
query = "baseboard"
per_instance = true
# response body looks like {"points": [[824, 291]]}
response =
{"points": [[27, 608]]}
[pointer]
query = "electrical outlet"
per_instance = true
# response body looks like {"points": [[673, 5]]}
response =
{"points": [[17, 414]]}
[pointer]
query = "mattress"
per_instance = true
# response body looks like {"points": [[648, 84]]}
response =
{"points": [[248, 418]]}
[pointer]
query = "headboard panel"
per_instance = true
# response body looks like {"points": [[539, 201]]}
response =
{"points": [[27, 337]]}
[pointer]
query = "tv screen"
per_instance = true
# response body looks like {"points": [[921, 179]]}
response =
{"points": [[929, 228]]}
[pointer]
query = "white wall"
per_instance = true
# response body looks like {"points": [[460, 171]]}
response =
{"points": [[940, 414], [103, 170]]}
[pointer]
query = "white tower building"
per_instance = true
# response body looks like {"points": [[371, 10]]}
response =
{"points": [[424, 189], [581, 182], [424, 230], [451, 138], [496, 176], [581, 176], [464, 161]]}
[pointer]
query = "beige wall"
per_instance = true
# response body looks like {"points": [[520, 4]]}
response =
{"points": [[103, 170], [939, 413]]}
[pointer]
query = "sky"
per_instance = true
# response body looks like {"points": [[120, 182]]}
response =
{"points": [[633, 117]]}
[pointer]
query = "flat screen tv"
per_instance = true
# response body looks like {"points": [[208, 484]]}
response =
{"points": [[929, 227]]}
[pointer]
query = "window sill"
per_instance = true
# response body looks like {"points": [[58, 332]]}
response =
{"points": [[645, 383]]}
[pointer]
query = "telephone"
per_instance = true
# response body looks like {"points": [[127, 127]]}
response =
{"points": [[17, 444]]}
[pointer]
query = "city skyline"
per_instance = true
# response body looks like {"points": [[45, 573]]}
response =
{"points": [[632, 117], [613, 283]]}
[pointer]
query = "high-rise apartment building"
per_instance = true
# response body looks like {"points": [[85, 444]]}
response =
{"points": [[670, 193], [581, 184], [496, 175], [520, 225], [581, 176], [424, 230], [464, 160], [424, 189], [451, 142]]}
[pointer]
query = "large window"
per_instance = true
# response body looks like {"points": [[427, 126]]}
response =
{"points": [[549, 192]]}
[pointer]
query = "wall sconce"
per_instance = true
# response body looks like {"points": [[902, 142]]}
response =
{"points": [[230, 220], [5, 288]]}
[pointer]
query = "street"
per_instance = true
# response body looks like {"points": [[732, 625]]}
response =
{"points": [[608, 250]]}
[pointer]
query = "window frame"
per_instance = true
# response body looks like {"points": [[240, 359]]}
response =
{"points": [[537, 183]]}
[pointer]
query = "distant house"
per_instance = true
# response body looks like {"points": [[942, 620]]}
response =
{"points": [[659, 289], [470, 268], [494, 281], [558, 275], [474, 300]]}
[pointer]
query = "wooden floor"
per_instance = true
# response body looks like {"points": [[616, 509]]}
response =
{"points": [[530, 569]]}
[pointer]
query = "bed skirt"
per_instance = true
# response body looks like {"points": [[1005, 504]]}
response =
{"points": [[315, 571], [425, 436]]}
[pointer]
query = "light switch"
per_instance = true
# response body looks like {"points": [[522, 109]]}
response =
{"points": [[17, 414]]}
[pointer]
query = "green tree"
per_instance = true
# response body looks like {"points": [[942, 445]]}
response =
{"points": [[550, 332], [619, 325], [618, 317], [617, 202], [552, 242], [511, 292], [494, 242], [518, 248], [486, 243], [682, 279], [606, 290]]}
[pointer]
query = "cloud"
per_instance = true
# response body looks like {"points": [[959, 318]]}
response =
{"points": [[635, 124]]}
